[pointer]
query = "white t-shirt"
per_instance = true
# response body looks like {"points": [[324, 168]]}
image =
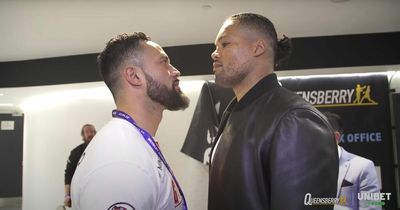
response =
{"points": [[119, 170]]}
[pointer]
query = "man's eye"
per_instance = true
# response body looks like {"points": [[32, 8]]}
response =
{"points": [[224, 44]]}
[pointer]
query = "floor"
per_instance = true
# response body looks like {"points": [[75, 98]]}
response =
{"points": [[11, 203]]}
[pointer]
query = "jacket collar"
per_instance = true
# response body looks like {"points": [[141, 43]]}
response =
{"points": [[345, 156], [266, 84]]}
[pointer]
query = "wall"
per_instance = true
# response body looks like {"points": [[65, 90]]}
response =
{"points": [[52, 128]]}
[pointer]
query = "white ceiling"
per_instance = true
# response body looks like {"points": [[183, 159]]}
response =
{"points": [[34, 29], [38, 29]]}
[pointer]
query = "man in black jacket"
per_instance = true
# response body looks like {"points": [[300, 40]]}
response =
{"points": [[87, 132], [273, 149]]}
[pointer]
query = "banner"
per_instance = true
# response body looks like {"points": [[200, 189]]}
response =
{"points": [[212, 102], [361, 100]]}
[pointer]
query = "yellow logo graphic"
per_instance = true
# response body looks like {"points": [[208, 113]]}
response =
{"points": [[342, 200], [366, 91]]}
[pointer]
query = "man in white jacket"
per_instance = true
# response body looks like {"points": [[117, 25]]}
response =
{"points": [[357, 175]]}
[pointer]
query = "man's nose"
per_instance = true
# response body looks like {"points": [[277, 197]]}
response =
{"points": [[215, 54], [175, 71]]}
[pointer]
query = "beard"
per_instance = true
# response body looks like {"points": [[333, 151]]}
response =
{"points": [[172, 99], [231, 75]]}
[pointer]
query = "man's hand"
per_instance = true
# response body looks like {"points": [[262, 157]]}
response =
{"points": [[67, 201]]}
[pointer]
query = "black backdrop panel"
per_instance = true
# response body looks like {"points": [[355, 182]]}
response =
{"points": [[396, 111], [11, 147], [362, 101], [308, 53]]}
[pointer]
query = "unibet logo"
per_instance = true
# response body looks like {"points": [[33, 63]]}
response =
{"points": [[359, 96]]}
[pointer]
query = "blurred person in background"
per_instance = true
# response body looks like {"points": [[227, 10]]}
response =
{"points": [[356, 174], [87, 132]]}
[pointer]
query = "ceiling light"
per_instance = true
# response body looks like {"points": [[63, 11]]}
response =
{"points": [[49, 100], [6, 105], [206, 7], [339, 1]]}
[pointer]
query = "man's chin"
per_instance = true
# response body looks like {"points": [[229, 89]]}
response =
{"points": [[178, 90], [179, 104], [217, 69], [221, 82]]}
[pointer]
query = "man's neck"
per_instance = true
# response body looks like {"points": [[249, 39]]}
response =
{"points": [[147, 116], [247, 83]]}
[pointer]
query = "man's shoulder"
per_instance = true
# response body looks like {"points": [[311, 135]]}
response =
{"points": [[78, 148], [281, 102], [356, 159], [117, 141], [287, 99], [362, 160], [118, 130]]}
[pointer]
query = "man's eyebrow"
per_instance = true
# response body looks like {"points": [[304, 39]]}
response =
{"points": [[164, 57], [219, 38]]}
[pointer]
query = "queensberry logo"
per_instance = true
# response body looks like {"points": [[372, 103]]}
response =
{"points": [[312, 201], [359, 96]]}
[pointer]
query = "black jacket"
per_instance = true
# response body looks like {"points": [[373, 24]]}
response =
{"points": [[274, 148], [72, 162]]}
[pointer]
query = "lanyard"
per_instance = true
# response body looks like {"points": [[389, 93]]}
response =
{"points": [[150, 141]]}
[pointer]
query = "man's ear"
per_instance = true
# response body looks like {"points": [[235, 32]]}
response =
{"points": [[259, 47], [133, 75], [337, 136]]}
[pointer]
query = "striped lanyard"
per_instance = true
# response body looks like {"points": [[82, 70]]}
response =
{"points": [[150, 141]]}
